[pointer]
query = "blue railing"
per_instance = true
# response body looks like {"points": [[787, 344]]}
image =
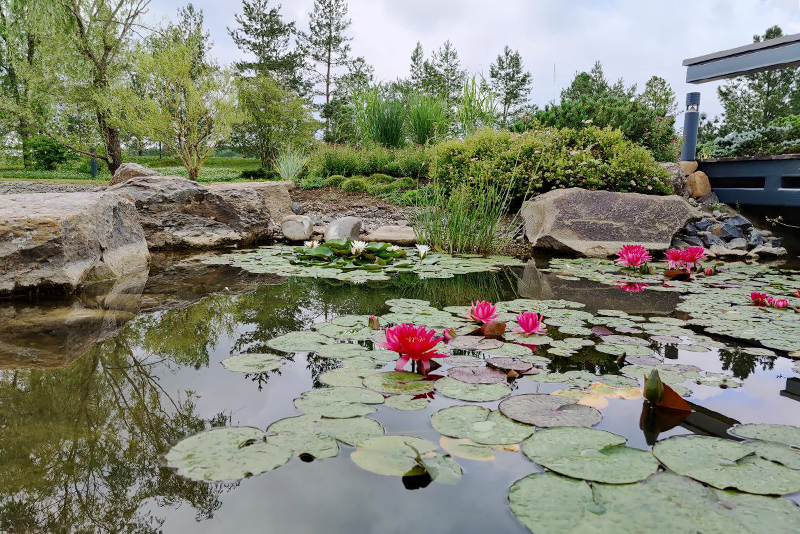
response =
{"points": [[755, 181]]}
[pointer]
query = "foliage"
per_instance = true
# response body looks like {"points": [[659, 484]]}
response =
{"points": [[190, 112], [331, 160], [477, 107], [263, 33], [542, 159], [510, 81], [769, 140], [379, 118], [340, 112], [273, 119], [259, 174], [290, 164], [47, 154], [347, 255], [593, 84], [639, 123], [442, 75], [427, 118], [326, 43], [312, 182], [659, 96]]}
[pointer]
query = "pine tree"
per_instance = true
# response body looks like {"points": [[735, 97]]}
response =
{"points": [[443, 75], [417, 67], [593, 84], [753, 101], [327, 43], [659, 96], [263, 33], [510, 81]]}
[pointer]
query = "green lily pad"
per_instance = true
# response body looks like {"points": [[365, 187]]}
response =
{"points": [[510, 350], [467, 449], [543, 410], [548, 503], [475, 343], [788, 435], [480, 425], [465, 361], [253, 363], [339, 402], [341, 351], [299, 342], [455, 389], [589, 454], [228, 453], [392, 455], [727, 464], [477, 375], [346, 377], [407, 403], [397, 382], [441, 468], [301, 435]]}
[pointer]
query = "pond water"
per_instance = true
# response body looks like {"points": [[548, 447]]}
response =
{"points": [[91, 399]]}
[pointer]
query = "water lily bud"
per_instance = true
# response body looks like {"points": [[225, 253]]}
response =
{"points": [[653, 388], [374, 323]]}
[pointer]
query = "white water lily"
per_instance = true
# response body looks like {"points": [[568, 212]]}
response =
{"points": [[423, 251], [393, 248], [311, 244], [357, 247]]}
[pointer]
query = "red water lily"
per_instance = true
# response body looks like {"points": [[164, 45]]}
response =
{"points": [[633, 256], [530, 323], [631, 287], [675, 258], [413, 343], [482, 312], [757, 298], [685, 259]]}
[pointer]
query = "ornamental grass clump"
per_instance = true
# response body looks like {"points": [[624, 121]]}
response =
{"points": [[290, 164]]}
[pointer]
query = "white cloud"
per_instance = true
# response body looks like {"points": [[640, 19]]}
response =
{"points": [[634, 39]]}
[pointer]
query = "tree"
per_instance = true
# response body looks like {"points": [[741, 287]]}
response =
{"points": [[417, 68], [340, 112], [263, 33], [753, 101], [274, 119], [443, 75], [191, 113], [326, 42], [98, 32], [593, 84], [659, 96], [510, 81]]}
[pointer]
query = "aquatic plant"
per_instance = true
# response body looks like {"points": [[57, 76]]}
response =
{"points": [[374, 323], [413, 343], [631, 287], [357, 247], [347, 254], [482, 312], [762, 299], [633, 256], [423, 250], [311, 244], [530, 323], [687, 258]]}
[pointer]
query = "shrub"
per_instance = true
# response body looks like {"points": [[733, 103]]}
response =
{"points": [[312, 182], [354, 185], [47, 154], [368, 160], [547, 158], [380, 189], [638, 123], [782, 137], [381, 179], [427, 118], [334, 180], [259, 174], [290, 164]]}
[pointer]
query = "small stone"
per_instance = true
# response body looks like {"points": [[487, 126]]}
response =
{"points": [[776, 242], [754, 239], [344, 228], [717, 214], [711, 241], [727, 231], [765, 233], [739, 243], [739, 222], [704, 224], [699, 184], [693, 240], [298, 208], [297, 228], [126, 171], [679, 243], [688, 167], [722, 252], [766, 250], [690, 229], [397, 235]]}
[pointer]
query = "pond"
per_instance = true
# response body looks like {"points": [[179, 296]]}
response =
{"points": [[92, 399]]}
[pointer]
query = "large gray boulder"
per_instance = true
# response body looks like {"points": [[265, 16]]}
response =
{"points": [[344, 228], [63, 241], [297, 227], [677, 177], [126, 171], [177, 213], [598, 223]]}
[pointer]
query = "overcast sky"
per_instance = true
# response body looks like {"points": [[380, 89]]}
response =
{"points": [[634, 39]]}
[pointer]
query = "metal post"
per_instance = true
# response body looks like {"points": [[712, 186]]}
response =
{"points": [[93, 163], [691, 122]]}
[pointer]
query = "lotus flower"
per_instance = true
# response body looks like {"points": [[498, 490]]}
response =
{"points": [[779, 303], [759, 299], [693, 255], [311, 244], [374, 323], [357, 247], [675, 258], [412, 343], [631, 287], [482, 312], [423, 250], [710, 271], [633, 256], [530, 323], [448, 334]]}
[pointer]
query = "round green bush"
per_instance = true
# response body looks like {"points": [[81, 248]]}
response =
{"points": [[381, 179], [354, 185], [334, 180], [405, 182], [378, 190]]}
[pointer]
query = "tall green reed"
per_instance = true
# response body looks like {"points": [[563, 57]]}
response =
{"points": [[427, 118]]}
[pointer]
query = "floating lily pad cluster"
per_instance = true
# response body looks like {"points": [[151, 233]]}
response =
{"points": [[718, 303], [323, 262]]}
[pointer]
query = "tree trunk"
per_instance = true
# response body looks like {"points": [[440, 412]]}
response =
{"points": [[193, 173], [111, 140], [25, 135]]}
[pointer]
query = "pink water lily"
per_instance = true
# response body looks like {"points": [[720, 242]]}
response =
{"points": [[757, 298], [633, 256], [675, 258], [374, 323], [779, 303], [413, 343], [631, 287], [530, 323], [692, 256], [482, 312], [448, 334]]}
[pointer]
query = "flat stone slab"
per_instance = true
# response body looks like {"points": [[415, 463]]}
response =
{"points": [[397, 235], [598, 223], [67, 240]]}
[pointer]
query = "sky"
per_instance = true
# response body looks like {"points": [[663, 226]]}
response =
{"points": [[634, 39]]}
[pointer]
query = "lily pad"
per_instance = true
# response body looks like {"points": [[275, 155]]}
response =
{"points": [[477, 375], [407, 403], [481, 425], [466, 449], [339, 402], [392, 455], [548, 411], [397, 382], [346, 377], [455, 389], [510, 364], [228, 453], [475, 343], [253, 363], [788, 435], [726, 464], [299, 342], [548, 503], [589, 454]]}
